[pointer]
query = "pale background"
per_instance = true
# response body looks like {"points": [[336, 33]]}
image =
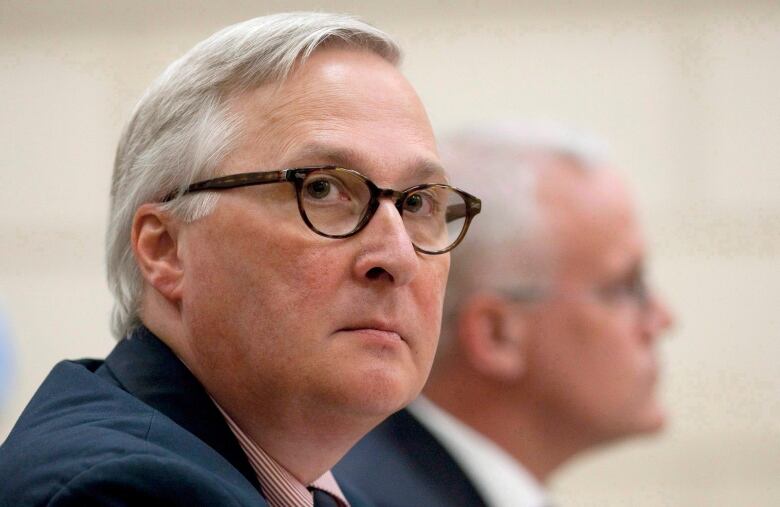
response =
{"points": [[687, 93]]}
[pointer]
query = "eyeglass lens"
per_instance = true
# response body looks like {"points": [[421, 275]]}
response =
{"points": [[335, 201]]}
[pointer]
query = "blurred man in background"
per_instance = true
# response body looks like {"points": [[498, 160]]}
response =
{"points": [[549, 338], [274, 298]]}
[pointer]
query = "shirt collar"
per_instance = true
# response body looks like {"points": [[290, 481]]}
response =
{"points": [[280, 487], [500, 479]]}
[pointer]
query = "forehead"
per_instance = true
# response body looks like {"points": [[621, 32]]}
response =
{"points": [[593, 222], [341, 107]]}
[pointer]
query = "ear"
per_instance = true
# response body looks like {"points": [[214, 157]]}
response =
{"points": [[492, 332], [154, 240]]}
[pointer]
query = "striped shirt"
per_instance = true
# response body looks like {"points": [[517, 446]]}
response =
{"points": [[280, 488]]}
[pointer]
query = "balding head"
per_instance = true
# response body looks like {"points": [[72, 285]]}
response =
{"points": [[514, 165], [550, 329]]}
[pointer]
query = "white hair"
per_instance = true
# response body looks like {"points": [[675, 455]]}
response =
{"points": [[506, 249], [181, 129]]}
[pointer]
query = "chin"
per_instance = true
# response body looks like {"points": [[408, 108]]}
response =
{"points": [[651, 421], [379, 392], [655, 422]]}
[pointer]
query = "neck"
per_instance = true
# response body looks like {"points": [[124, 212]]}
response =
{"points": [[306, 445], [305, 439], [540, 441]]}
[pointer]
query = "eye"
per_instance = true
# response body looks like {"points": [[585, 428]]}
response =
{"points": [[629, 288], [318, 189], [413, 203], [423, 203]]}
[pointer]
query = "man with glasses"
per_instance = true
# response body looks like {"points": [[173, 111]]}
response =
{"points": [[278, 250], [549, 339]]}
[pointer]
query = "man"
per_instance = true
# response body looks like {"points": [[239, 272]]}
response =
{"points": [[274, 300], [548, 345]]}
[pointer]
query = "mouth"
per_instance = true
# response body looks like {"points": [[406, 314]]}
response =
{"points": [[375, 331]]}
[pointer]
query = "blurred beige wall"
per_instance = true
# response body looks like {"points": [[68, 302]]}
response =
{"points": [[687, 93]]}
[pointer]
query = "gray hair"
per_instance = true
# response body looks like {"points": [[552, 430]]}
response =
{"points": [[506, 249], [181, 129]]}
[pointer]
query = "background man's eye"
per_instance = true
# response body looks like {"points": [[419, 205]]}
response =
{"points": [[318, 189]]}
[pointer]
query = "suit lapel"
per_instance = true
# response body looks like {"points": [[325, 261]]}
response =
{"points": [[432, 459], [145, 367]]}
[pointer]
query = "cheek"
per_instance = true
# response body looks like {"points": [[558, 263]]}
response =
{"points": [[429, 296], [577, 354], [270, 257], [242, 282], [608, 357]]}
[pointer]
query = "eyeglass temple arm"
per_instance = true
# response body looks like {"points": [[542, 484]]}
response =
{"points": [[460, 210], [232, 181]]}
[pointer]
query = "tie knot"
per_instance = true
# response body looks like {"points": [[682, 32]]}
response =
{"points": [[323, 498]]}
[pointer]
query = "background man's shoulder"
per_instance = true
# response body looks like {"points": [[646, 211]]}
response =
{"points": [[401, 463]]}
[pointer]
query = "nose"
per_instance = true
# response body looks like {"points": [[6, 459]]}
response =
{"points": [[659, 317], [387, 253]]}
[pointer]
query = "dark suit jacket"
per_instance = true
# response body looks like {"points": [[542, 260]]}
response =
{"points": [[400, 464], [135, 429]]}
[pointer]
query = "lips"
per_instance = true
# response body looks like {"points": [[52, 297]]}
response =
{"points": [[379, 329]]}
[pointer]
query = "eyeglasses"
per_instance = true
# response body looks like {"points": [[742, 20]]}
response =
{"points": [[632, 289], [337, 203]]}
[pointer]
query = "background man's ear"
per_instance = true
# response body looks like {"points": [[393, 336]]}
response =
{"points": [[492, 331], [154, 240]]}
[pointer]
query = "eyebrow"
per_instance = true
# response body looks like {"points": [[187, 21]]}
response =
{"points": [[421, 170]]}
